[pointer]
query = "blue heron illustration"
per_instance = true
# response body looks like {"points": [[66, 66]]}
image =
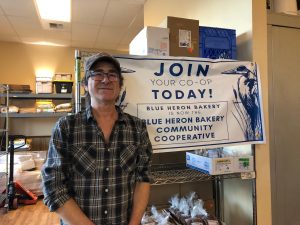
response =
{"points": [[126, 70], [121, 101], [247, 102]]}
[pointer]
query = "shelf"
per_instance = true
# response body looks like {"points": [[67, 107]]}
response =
{"points": [[38, 96], [3, 130], [34, 115], [179, 173]]}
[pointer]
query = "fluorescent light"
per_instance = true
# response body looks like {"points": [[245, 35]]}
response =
{"points": [[58, 10], [46, 43]]}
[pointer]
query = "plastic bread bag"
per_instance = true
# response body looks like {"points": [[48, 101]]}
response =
{"points": [[184, 207], [147, 219], [63, 106], [237, 151], [174, 201], [184, 211], [11, 109], [190, 198], [160, 218], [198, 209]]}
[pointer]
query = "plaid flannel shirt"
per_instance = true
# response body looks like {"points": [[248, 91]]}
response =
{"points": [[100, 177]]}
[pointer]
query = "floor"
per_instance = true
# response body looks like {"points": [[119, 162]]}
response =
{"points": [[29, 215]]}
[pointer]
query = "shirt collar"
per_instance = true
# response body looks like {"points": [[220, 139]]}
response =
{"points": [[121, 114]]}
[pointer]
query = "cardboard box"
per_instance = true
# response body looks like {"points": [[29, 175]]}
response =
{"points": [[212, 166], [184, 36], [43, 85], [150, 41]]}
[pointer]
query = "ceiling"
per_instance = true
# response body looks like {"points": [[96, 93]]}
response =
{"points": [[96, 24]]}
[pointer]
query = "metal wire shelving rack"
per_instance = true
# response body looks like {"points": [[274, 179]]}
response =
{"points": [[179, 173], [4, 153]]}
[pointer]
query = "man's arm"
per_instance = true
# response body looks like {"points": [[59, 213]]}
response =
{"points": [[140, 201], [143, 179], [72, 214], [55, 176]]}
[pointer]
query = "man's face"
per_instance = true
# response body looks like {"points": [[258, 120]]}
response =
{"points": [[103, 86]]}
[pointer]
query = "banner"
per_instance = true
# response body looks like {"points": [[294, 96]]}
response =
{"points": [[188, 103]]}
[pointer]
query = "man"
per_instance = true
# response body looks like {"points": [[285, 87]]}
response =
{"points": [[97, 169]]}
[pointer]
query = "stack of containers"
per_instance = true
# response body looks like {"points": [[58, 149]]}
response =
{"points": [[63, 83], [184, 37]]}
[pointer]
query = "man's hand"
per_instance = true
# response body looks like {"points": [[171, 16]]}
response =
{"points": [[140, 201], [72, 214]]}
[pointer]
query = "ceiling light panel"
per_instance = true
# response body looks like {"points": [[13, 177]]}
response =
{"points": [[56, 10]]}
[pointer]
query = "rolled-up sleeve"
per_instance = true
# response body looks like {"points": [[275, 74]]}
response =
{"points": [[56, 168], [144, 157]]}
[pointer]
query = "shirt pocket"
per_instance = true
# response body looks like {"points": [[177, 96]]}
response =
{"points": [[128, 158], [84, 158]]}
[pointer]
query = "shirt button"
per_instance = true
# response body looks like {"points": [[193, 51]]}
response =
{"points": [[108, 149], [107, 169], [106, 190], [105, 212]]}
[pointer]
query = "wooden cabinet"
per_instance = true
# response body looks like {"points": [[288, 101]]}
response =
{"points": [[284, 107]]}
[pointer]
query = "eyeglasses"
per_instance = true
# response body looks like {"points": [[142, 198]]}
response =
{"points": [[100, 75]]}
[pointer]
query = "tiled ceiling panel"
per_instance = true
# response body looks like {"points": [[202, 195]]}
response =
{"points": [[135, 27], [89, 11], [5, 27], [60, 35], [110, 34], [24, 23], [22, 8], [120, 14], [84, 32], [1, 12], [105, 45], [103, 24]]}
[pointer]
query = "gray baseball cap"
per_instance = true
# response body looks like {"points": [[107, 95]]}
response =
{"points": [[102, 57]]}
